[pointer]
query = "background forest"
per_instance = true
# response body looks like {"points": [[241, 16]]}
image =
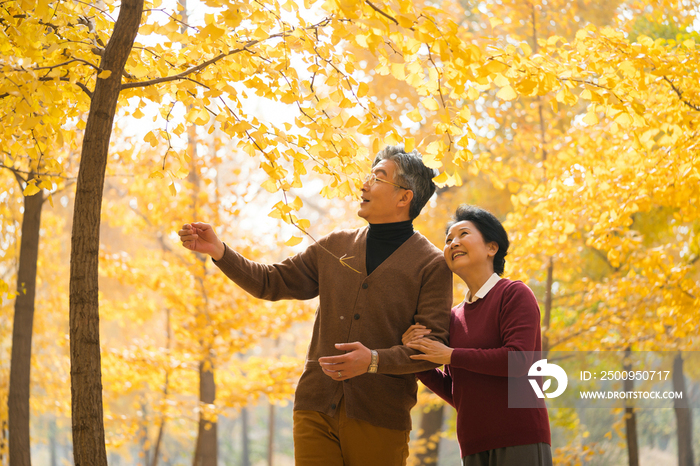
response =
{"points": [[576, 122]]}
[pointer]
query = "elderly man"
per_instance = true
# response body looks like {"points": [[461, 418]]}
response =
{"points": [[353, 401]]}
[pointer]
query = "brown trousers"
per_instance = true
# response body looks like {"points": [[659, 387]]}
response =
{"points": [[321, 440]]}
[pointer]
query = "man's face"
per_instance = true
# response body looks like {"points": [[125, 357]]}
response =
{"points": [[380, 202]]}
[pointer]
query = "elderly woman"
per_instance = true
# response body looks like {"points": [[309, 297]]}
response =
{"points": [[496, 317]]}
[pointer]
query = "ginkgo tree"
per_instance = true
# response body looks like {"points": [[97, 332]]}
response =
{"points": [[209, 319], [69, 50], [624, 161], [82, 60], [29, 195], [527, 120]]}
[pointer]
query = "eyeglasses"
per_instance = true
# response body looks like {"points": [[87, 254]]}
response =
{"points": [[372, 177]]}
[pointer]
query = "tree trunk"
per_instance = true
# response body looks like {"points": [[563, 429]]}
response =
{"points": [[245, 461], [86, 376], [684, 420], [20, 364], [631, 429], [543, 151], [166, 385], [271, 423], [429, 435], [52, 442], [547, 307], [631, 424], [145, 447], [205, 453], [3, 440], [271, 436], [159, 441]]}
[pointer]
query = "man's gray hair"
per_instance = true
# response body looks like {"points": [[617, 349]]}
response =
{"points": [[411, 173]]}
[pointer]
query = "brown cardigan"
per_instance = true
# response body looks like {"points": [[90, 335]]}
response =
{"points": [[412, 285]]}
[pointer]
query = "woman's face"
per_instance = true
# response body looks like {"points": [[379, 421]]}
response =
{"points": [[465, 248]]}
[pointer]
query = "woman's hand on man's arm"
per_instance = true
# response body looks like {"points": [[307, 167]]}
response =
{"points": [[414, 333], [432, 350]]}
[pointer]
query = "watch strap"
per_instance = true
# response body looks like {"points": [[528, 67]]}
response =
{"points": [[374, 363]]}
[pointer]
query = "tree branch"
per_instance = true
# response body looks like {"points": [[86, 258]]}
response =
{"points": [[386, 15], [103, 11], [146, 49], [19, 178], [51, 67], [680, 95], [35, 174], [161, 10], [340, 259], [201, 66], [16, 173], [198, 67], [82, 86]]}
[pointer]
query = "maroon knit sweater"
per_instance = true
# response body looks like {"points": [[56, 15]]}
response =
{"points": [[476, 381]]}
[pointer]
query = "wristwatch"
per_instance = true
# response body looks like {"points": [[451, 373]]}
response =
{"points": [[374, 363]]}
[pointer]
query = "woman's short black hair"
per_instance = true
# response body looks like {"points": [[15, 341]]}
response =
{"points": [[490, 228]]}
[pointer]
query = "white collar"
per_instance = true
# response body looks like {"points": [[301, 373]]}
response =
{"points": [[485, 288]]}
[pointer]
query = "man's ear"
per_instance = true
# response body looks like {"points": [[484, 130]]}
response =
{"points": [[406, 198]]}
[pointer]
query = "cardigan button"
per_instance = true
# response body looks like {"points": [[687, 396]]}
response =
{"points": [[333, 406], [357, 316], [365, 286]]}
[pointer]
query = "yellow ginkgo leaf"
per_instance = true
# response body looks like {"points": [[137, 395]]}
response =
{"points": [[303, 223], [362, 90], [31, 189], [430, 103], [624, 119], [495, 21], [507, 93], [441, 178], [591, 119], [297, 203], [293, 241], [269, 185], [105, 74], [151, 139], [414, 115]]}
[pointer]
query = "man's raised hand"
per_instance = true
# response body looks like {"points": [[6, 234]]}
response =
{"points": [[200, 237]]}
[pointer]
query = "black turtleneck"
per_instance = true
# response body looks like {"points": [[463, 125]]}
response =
{"points": [[383, 239]]}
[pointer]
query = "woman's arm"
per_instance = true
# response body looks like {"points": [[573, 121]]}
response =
{"points": [[519, 320], [440, 382]]}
